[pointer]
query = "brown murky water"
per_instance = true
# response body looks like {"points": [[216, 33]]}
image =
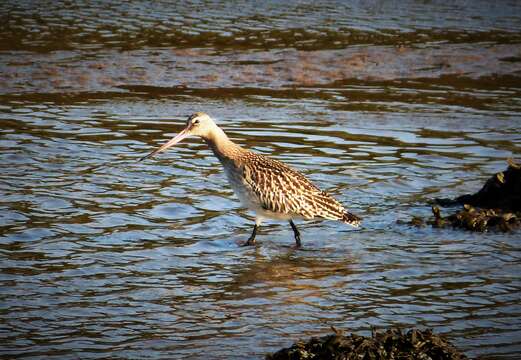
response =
{"points": [[387, 106]]}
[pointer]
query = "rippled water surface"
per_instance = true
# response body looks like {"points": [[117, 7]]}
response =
{"points": [[104, 256]]}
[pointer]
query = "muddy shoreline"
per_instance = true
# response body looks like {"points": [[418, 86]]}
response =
{"points": [[109, 70]]}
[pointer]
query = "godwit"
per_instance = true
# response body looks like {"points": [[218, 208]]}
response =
{"points": [[265, 186]]}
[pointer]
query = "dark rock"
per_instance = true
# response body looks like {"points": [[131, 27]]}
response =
{"points": [[496, 206], [392, 344], [501, 191]]}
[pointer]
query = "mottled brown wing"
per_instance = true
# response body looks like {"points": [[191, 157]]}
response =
{"points": [[281, 189]]}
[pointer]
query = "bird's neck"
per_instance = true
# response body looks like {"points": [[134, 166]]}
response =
{"points": [[223, 148]]}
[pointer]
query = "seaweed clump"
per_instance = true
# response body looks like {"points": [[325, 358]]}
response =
{"points": [[481, 220], [391, 344], [496, 205]]}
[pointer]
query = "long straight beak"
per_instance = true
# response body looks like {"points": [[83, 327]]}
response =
{"points": [[183, 134]]}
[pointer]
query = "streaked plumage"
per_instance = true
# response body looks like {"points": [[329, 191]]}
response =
{"points": [[266, 186]]}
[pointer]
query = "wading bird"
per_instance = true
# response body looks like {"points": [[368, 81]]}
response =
{"points": [[269, 188]]}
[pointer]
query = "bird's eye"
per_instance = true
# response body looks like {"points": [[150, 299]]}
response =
{"points": [[195, 122]]}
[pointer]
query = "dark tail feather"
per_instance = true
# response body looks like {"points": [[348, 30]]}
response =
{"points": [[351, 219]]}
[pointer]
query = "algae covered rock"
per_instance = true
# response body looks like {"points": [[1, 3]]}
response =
{"points": [[496, 206], [391, 344]]}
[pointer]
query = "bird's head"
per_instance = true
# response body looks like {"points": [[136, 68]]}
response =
{"points": [[198, 124]]}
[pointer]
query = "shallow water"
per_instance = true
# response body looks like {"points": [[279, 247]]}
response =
{"points": [[104, 256]]}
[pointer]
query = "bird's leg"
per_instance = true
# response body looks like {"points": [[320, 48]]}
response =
{"points": [[296, 232], [251, 239]]}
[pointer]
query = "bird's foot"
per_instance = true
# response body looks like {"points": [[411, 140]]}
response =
{"points": [[249, 242]]}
